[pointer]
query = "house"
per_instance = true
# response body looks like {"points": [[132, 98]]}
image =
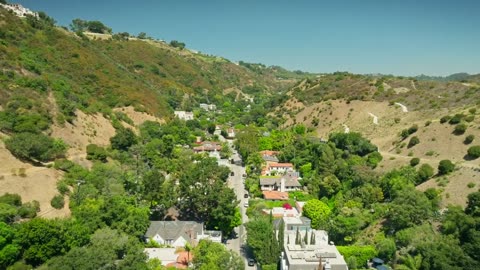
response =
{"points": [[19, 10], [269, 156], [278, 212], [275, 195], [305, 248], [273, 168], [208, 146], [283, 183], [208, 107], [178, 233], [183, 115], [230, 133]]}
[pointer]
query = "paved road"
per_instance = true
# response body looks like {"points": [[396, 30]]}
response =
{"points": [[236, 182]]}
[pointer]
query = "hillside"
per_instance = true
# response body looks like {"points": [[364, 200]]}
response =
{"points": [[381, 107], [81, 88]]}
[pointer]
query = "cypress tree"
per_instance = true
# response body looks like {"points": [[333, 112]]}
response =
{"points": [[281, 234], [312, 239], [305, 238], [297, 238]]}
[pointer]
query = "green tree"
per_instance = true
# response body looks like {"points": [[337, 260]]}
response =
{"points": [[445, 166], [410, 262], [425, 172], [123, 139], [413, 141], [262, 240], [414, 162], [317, 211], [409, 208], [208, 255], [35, 147], [474, 151]]}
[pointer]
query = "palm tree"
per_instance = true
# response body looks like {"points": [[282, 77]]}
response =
{"points": [[410, 263]]}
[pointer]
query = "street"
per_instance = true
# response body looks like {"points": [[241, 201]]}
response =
{"points": [[236, 183]]}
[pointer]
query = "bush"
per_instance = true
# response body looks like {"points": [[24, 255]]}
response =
{"points": [[456, 119], [460, 129], [469, 139], [62, 187], [29, 210], [470, 118], [428, 123], [11, 199], [35, 147], [425, 172], [95, 152], [57, 202], [413, 141], [123, 139], [414, 162], [474, 151], [472, 110], [445, 166], [445, 119]]}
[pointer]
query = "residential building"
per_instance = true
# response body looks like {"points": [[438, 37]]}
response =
{"points": [[178, 233], [19, 10], [283, 183], [208, 107], [279, 212], [230, 133], [170, 257], [269, 156], [183, 115], [273, 168], [316, 251], [208, 146]]}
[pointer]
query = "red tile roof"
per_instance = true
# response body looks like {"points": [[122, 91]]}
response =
{"points": [[275, 195]]}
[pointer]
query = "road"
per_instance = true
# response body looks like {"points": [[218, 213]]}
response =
{"points": [[236, 183]]}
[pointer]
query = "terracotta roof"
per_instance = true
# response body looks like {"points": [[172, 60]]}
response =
{"points": [[269, 153], [275, 164], [275, 195], [208, 146]]}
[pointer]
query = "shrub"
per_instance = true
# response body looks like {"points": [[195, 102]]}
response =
{"points": [[35, 147], [414, 162], [428, 123], [123, 139], [412, 129], [57, 202], [472, 110], [471, 185], [95, 152], [11, 199], [62, 187], [29, 210], [474, 151], [460, 129], [469, 139], [445, 166], [456, 119], [425, 172], [413, 141], [445, 119], [470, 118]]}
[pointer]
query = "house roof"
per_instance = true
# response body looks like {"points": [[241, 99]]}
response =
{"points": [[275, 195], [269, 153], [276, 164], [276, 180], [208, 146], [175, 229]]}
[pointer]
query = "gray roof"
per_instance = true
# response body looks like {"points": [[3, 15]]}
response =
{"points": [[174, 229], [270, 158], [290, 180]]}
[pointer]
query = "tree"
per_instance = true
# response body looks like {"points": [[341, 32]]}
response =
{"points": [[262, 240], [413, 141], [35, 147], [208, 255], [445, 166], [469, 139], [474, 151], [352, 142], [142, 35], [95, 152], [414, 162], [9, 251], [425, 172], [211, 128], [123, 139], [98, 27], [460, 129], [409, 208], [410, 262], [473, 204], [317, 211], [78, 25], [177, 44]]}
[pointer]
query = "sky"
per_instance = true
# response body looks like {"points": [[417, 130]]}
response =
{"points": [[400, 37]]}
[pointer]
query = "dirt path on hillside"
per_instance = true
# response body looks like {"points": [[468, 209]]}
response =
{"points": [[465, 164]]}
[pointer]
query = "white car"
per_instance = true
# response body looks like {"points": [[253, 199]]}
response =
{"points": [[245, 205]]}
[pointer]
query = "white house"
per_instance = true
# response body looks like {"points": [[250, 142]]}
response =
{"points": [[19, 10], [273, 168], [183, 115], [230, 133]]}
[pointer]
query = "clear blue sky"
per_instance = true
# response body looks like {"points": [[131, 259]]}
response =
{"points": [[402, 37]]}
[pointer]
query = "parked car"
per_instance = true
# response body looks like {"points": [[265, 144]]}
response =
{"points": [[244, 175], [251, 262], [232, 174], [245, 195], [245, 205]]}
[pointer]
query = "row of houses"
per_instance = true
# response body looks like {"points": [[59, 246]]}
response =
{"points": [[19, 10], [277, 179]]}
